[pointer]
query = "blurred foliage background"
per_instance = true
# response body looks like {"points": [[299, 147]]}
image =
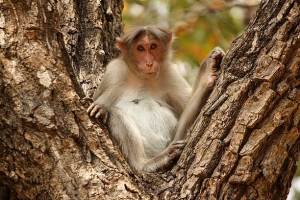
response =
{"points": [[199, 25]]}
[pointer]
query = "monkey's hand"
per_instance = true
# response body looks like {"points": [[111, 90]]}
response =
{"points": [[210, 68], [214, 62], [98, 111]]}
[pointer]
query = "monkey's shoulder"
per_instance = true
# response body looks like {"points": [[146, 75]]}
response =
{"points": [[116, 65], [115, 74]]}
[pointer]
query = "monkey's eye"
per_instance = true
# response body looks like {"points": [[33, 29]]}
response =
{"points": [[153, 46], [140, 48]]}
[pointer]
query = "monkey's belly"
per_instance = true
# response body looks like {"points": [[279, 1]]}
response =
{"points": [[155, 122]]}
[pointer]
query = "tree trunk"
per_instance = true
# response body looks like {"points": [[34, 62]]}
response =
{"points": [[244, 144]]}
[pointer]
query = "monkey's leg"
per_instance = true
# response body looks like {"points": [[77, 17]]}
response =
{"points": [[165, 157], [204, 83], [126, 133], [124, 130]]}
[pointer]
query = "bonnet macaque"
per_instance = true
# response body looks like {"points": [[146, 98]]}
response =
{"points": [[146, 103]]}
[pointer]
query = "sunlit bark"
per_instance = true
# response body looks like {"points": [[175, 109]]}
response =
{"points": [[244, 144]]}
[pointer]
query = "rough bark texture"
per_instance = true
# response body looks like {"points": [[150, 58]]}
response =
{"points": [[247, 143], [244, 145], [46, 138]]}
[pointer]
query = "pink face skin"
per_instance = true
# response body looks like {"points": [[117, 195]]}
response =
{"points": [[149, 53]]}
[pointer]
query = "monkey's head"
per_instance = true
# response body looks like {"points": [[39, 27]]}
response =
{"points": [[144, 49]]}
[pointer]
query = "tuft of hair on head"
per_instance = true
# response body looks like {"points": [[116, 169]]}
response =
{"points": [[159, 33]]}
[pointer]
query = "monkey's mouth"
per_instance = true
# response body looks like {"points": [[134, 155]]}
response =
{"points": [[150, 75]]}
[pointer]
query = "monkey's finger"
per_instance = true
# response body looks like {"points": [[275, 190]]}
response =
{"points": [[218, 50], [101, 113], [98, 114], [88, 99], [90, 108], [175, 153], [105, 116], [94, 110], [216, 58], [180, 143], [178, 146]]}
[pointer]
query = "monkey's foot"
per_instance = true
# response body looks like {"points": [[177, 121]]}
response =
{"points": [[175, 149]]}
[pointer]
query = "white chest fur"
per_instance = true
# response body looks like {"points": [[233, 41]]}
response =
{"points": [[155, 121]]}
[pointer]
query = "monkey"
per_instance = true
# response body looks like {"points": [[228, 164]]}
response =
{"points": [[146, 103]]}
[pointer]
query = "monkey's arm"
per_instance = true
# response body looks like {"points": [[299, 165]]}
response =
{"points": [[108, 91], [111, 82], [202, 88], [178, 91], [190, 113]]}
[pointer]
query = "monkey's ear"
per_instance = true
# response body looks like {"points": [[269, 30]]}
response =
{"points": [[121, 44]]}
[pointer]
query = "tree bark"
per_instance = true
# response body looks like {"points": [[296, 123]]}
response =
{"points": [[244, 144]]}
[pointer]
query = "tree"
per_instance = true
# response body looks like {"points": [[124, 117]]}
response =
{"points": [[244, 144]]}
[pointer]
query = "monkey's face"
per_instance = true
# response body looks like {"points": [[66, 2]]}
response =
{"points": [[149, 55]]}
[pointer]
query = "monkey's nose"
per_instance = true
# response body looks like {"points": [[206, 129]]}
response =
{"points": [[149, 65]]}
